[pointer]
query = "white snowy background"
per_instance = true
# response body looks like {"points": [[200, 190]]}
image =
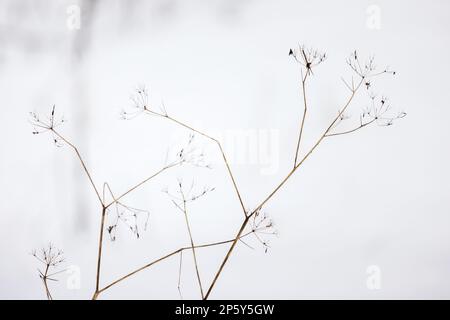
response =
{"points": [[378, 197]]}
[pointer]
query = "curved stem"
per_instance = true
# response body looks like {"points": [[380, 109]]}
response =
{"points": [[244, 223], [83, 164], [351, 130], [230, 173], [164, 258]]}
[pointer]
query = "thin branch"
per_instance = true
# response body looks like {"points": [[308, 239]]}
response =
{"points": [[347, 85], [244, 223], [310, 151], [51, 258], [192, 242], [104, 207], [81, 161], [44, 279], [352, 130], [179, 275], [143, 182], [227, 256], [230, 173], [99, 255], [166, 257], [303, 118]]}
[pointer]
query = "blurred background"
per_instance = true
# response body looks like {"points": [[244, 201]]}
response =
{"points": [[367, 216]]}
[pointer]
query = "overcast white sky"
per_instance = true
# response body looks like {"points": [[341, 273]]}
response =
{"points": [[378, 197]]}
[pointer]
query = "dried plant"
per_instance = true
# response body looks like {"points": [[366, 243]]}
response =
{"points": [[181, 200], [51, 258], [255, 223]]}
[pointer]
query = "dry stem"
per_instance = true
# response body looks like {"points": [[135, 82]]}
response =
{"points": [[192, 242], [308, 59]]}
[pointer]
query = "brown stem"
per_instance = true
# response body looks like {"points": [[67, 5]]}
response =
{"points": [[230, 173], [244, 224], [44, 280], [82, 163], [247, 217], [116, 199], [303, 118], [350, 131], [99, 256], [179, 274], [192, 246], [238, 236], [162, 259]]}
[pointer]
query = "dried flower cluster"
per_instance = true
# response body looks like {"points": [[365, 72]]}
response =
{"points": [[307, 57], [47, 124], [51, 258]]}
